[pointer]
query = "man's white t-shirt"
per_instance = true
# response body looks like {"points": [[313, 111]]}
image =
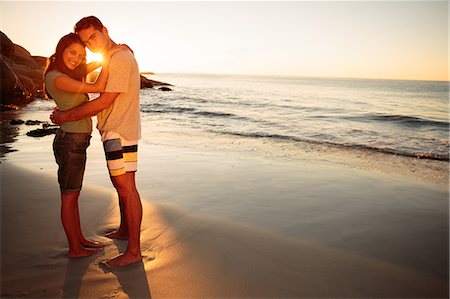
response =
{"points": [[123, 116]]}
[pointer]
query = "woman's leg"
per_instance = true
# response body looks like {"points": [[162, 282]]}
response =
{"points": [[83, 241], [71, 223], [70, 155]]}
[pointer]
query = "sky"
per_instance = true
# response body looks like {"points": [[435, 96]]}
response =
{"points": [[354, 39]]}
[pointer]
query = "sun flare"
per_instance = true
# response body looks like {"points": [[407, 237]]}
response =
{"points": [[90, 56]]}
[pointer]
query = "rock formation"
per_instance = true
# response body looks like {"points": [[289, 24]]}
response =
{"points": [[147, 83], [21, 73]]}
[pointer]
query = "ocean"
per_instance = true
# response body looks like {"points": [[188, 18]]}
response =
{"points": [[406, 118]]}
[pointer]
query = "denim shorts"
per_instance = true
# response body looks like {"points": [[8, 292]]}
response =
{"points": [[70, 155]]}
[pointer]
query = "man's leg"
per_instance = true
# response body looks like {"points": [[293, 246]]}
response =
{"points": [[117, 157], [132, 212], [122, 232]]}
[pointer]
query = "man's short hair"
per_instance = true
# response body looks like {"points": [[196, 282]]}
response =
{"points": [[87, 22]]}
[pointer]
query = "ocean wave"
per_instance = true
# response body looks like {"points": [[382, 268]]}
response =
{"points": [[384, 150], [159, 108], [40, 105], [401, 119]]}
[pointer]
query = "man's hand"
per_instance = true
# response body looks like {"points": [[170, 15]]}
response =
{"points": [[58, 117]]}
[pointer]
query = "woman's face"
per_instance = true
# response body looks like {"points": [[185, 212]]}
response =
{"points": [[74, 55]]}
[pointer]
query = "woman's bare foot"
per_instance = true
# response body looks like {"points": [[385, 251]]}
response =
{"points": [[90, 244], [82, 252], [118, 234], [122, 260]]}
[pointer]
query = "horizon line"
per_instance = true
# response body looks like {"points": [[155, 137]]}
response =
{"points": [[153, 73]]}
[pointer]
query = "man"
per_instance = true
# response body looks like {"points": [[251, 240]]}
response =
{"points": [[119, 124]]}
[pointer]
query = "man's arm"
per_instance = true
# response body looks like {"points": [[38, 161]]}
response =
{"points": [[86, 110]]}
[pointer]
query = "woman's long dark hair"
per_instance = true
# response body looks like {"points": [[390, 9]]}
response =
{"points": [[56, 60]]}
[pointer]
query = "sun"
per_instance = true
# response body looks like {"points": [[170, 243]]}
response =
{"points": [[90, 56]]}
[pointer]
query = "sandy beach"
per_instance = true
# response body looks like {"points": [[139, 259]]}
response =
{"points": [[223, 222]]}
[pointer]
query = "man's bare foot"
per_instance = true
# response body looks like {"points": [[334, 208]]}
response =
{"points": [[82, 252], [118, 234], [90, 244], [122, 260]]}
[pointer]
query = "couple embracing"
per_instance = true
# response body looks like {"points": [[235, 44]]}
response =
{"points": [[117, 110]]}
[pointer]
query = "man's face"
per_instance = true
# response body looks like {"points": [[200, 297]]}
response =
{"points": [[97, 41]]}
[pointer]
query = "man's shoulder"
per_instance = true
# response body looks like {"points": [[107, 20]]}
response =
{"points": [[123, 55]]}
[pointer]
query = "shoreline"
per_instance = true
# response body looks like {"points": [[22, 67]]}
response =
{"points": [[422, 170]]}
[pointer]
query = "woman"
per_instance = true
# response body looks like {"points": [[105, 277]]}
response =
{"points": [[64, 82]]}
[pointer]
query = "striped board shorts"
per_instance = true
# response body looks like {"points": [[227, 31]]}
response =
{"points": [[121, 154]]}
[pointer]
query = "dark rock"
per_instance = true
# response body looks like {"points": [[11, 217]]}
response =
{"points": [[23, 60], [22, 74], [22, 57], [165, 89], [40, 61], [31, 78], [21, 51], [9, 77], [6, 45], [42, 132], [33, 73], [15, 122], [33, 122], [9, 107], [12, 90], [28, 86], [147, 83]]}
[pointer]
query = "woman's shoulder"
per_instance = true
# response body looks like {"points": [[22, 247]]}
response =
{"points": [[54, 74]]}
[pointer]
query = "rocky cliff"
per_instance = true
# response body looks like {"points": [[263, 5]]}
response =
{"points": [[21, 74]]}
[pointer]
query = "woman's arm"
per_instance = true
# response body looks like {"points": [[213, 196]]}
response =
{"points": [[92, 66], [67, 84]]}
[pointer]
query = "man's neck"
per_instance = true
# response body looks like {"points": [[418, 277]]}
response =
{"points": [[111, 45]]}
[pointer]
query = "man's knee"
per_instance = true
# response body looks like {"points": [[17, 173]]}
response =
{"points": [[125, 184]]}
